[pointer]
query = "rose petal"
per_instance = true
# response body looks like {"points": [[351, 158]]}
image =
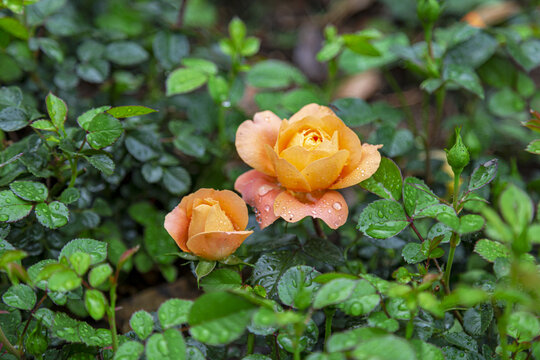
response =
{"points": [[322, 173], [216, 245], [371, 159], [330, 207], [251, 137], [259, 191], [217, 220], [313, 110], [288, 176], [199, 214], [176, 224], [234, 207]]}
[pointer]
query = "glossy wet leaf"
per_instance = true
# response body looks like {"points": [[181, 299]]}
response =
{"points": [[95, 303], [221, 279], [142, 323], [167, 346], [12, 119], [130, 350], [57, 110], [99, 274], [464, 77], [386, 182], [130, 110], [103, 130], [174, 312], [20, 296], [334, 292], [96, 249], [30, 190], [382, 219], [296, 287], [184, 80], [218, 318], [13, 208], [63, 281], [491, 250], [52, 215], [483, 175]]}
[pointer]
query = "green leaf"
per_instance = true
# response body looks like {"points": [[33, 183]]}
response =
{"points": [[30, 190], [103, 130], [64, 280], [426, 351], [506, 102], [103, 163], [251, 46], [462, 340], [152, 172], [95, 71], [516, 208], [221, 279], [20, 296], [12, 208], [142, 323], [386, 182], [143, 146], [329, 50], [130, 350], [201, 65], [131, 110], [348, 339], [476, 320], [69, 195], [396, 142], [417, 196], [354, 112], [12, 119], [334, 292], [526, 53], [523, 326], [80, 262], [382, 219], [380, 320], [465, 77], [483, 175], [464, 225], [99, 274], [237, 31], [218, 318], [274, 74], [296, 287], [323, 250], [95, 303], [96, 249], [57, 110], [412, 253], [387, 347], [52, 49], [533, 147], [167, 346], [126, 53], [184, 80], [43, 125], [362, 300], [52, 215], [491, 250], [84, 119], [177, 180], [170, 48], [174, 312], [14, 27], [204, 268]]}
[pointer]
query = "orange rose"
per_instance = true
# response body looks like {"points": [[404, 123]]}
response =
{"points": [[209, 223], [298, 162]]}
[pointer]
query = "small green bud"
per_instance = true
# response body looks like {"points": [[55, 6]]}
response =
{"points": [[458, 156], [37, 342], [428, 11]]}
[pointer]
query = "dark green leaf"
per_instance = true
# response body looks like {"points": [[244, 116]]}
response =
{"points": [[96, 249], [221, 279], [465, 77], [297, 284], [142, 323], [386, 182], [70, 195], [170, 48], [176, 180], [103, 130], [491, 250], [130, 350], [483, 175], [354, 112], [387, 347], [274, 74], [12, 119], [103, 163], [20, 296], [412, 253], [126, 53], [174, 312], [167, 346], [30, 190], [382, 219], [52, 215], [12, 208], [476, 320], [84, 119]]}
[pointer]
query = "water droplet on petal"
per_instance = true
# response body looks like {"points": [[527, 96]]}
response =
{"points": [[264, 189], [337, 205]]}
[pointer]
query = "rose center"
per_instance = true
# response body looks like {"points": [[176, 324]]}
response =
{"points": [[310, 139]]}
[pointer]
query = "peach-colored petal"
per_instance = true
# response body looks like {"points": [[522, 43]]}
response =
{"points": [[288, 176], [234, 207], [322, 173], [300, 157], [259, 190], [199, 214], [217, 220], [176, 224], [251, 137], [216, 245], [330, 207], [369, 163], [311, 110]]}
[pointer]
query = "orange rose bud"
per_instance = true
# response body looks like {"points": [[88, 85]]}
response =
{"points": [[307, 156], [209, 223]]}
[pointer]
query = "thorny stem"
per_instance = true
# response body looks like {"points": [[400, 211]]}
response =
{"points": [[318, 228], [9, 347]]}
